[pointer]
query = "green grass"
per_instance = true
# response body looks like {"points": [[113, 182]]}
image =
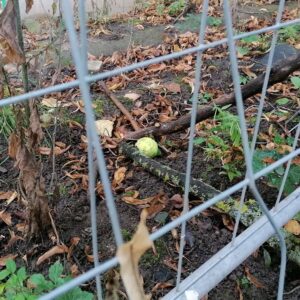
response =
{"points": [[7, 121]]}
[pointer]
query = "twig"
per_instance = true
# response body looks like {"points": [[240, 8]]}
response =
{"points": [[120, 106]]}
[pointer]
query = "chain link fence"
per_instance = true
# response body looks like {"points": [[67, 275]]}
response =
{"points": [[208, 275]]}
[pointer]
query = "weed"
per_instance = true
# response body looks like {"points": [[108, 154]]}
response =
{"points": [[7, 121], [224, 142], [296, 81], [126, 235], [148, 259], [192, 22], [244, 79], [18, 285], [244, 282], [205, 97], [176, 7], [262, 158], [289, 33]]}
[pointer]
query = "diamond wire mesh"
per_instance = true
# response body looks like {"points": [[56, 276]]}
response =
{"points": [[274, 219]]}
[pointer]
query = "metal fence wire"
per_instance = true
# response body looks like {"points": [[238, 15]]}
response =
{"points": [[208, 275]]}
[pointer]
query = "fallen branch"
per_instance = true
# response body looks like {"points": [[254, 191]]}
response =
{"points": [[120, 106], [251, 211], [279, 73], [197, 186]]}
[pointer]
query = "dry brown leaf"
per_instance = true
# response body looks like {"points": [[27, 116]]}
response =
{"points": [[74, 242], [74, 270], [5, 195], [157, 68], [173, 87], [13, 145], [248, 72], [58, 249], [104, 127], [133, 200], [112, 285], [161, 286], [35, 127], [293, 227], [13, 196], [129, 255], [29, 4], [132, 96], [228, 223], [5, 217], [57, 150], [10, 50], [50, 102], [3, 259], [253, 279], [157, 204], [119, 176], [239, 290], [90, 258], [13, 239]]}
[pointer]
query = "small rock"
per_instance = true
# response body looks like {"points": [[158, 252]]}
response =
{"points": [[94, 65]]}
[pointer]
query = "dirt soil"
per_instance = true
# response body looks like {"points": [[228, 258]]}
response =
{"points": [[206, 233]]}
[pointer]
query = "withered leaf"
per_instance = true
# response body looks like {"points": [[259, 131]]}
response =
{"points": [[58, 249], [5, 217], [29, 4], [293, 227], [129, 255], [10, 49], [253, 279]]}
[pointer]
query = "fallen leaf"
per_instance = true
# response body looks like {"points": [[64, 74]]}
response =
{"points": [[13, 196], [94, 65], [74, 270], [104, 127], [10, 49], [3, 259], [5, 217], [239, 290], [13, 145], [172, 265], [74, 242], [227, 221], [29, 4], [248, 72], [293, 227], [129, 255], [139, 27], [13, 239], [157, 68], [161, 286], [119, 176], [132, 96], [58, 249], [50, 102], [156, 205], [56, 150], [5, 195], [173, 87], [90, 258], [253, 279]]}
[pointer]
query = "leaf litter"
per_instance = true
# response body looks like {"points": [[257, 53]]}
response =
{"points": [[165, 100]]}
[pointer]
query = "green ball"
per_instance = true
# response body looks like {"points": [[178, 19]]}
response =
{"points": [[147, 147]]}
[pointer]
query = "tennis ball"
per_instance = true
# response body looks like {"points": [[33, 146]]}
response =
{"points": [[147, 147]]}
